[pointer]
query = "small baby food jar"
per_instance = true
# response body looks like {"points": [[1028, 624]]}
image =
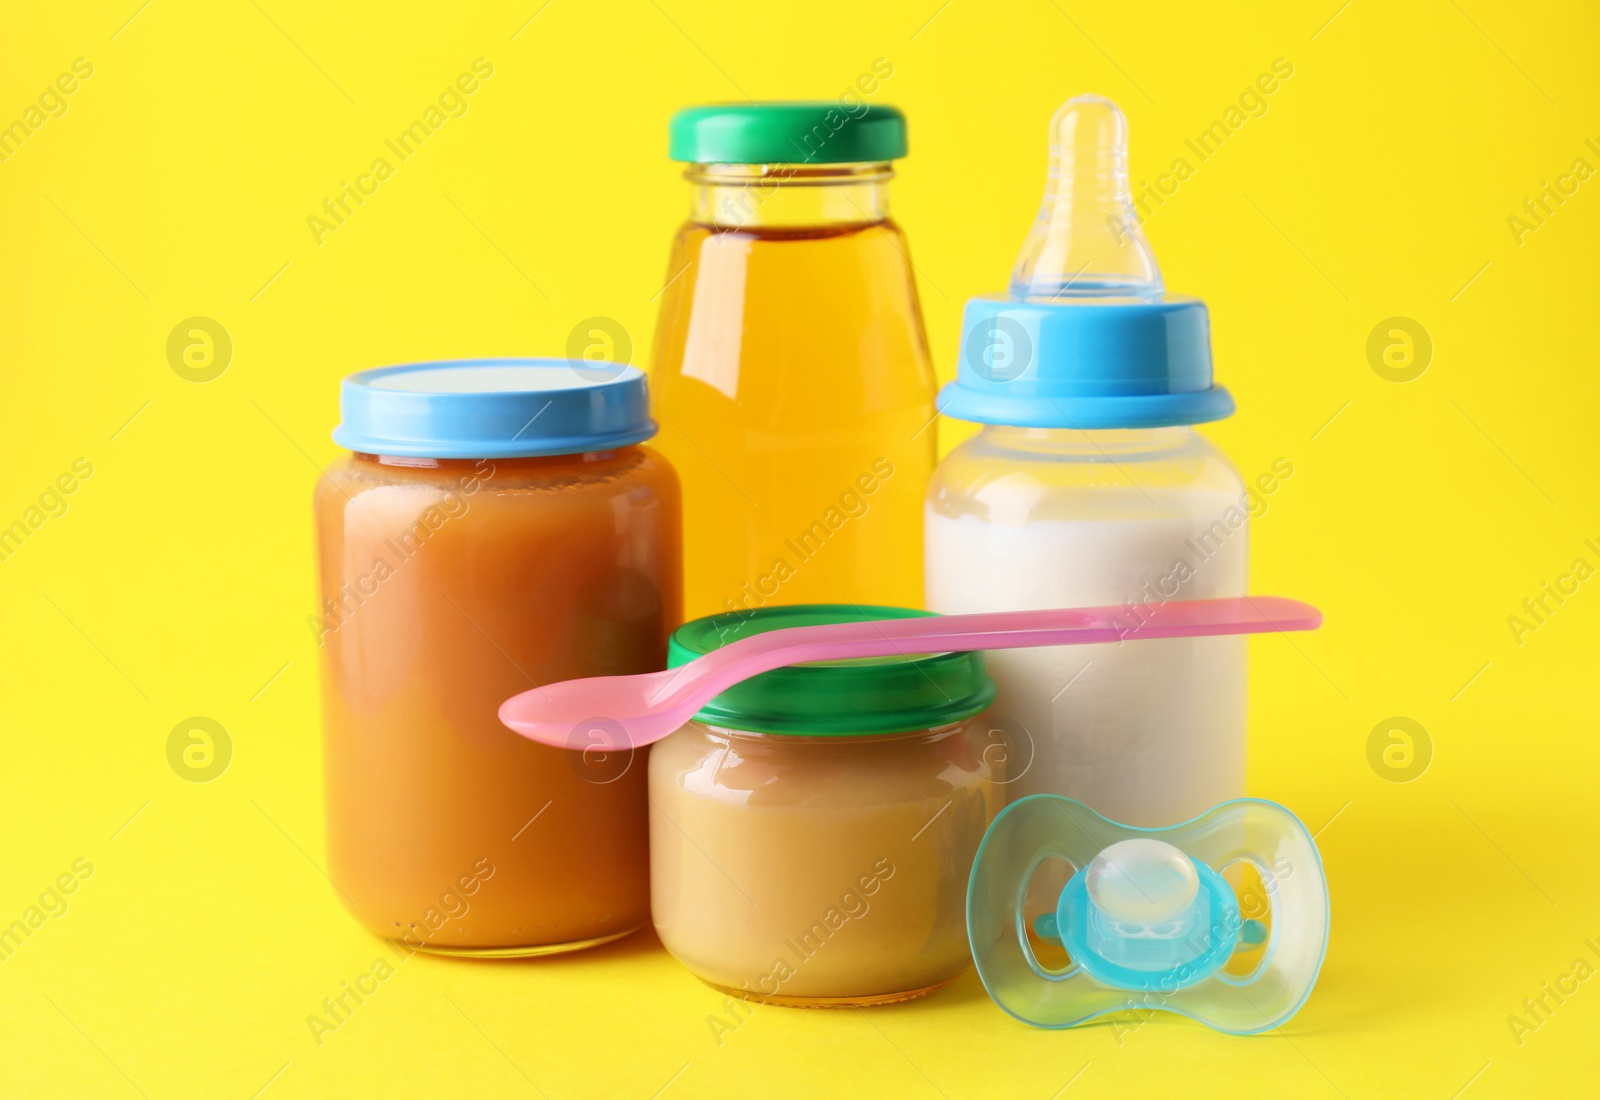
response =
{"points": [[498, 526], [812, 830]]}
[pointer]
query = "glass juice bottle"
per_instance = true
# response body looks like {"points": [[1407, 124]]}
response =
{"points": [[791, 375]]}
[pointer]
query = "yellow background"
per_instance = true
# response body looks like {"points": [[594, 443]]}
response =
{"points": [[1419, 517]]}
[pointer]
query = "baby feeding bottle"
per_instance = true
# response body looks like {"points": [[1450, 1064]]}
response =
{"points": [[1089, 485], [791, 376]]}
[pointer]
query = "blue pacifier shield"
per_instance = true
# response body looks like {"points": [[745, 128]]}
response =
{"points": [[1223, 919]]}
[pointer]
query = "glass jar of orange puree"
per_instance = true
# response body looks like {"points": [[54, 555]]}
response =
{"points": [[498, 526], [812, 830]]}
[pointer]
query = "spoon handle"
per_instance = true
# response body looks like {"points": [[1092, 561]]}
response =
{"points": [[722, 668]]}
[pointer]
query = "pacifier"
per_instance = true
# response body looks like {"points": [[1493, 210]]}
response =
{"points": [[1223, 918]]}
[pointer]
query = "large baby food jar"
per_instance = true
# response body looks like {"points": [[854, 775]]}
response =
{"points": [[813, 829], [498, 526]]}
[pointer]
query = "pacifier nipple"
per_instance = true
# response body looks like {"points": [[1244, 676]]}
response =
{"points": [[1142, 882], [1086, 241]]}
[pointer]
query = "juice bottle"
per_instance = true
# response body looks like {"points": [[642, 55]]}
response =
{"points": [[791, 379]]}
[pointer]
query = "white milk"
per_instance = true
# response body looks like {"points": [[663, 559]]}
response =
{"points": [[1145, 732]]}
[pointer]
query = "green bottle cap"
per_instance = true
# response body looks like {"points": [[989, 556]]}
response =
{"points": [[866, 695], [804, 132]]}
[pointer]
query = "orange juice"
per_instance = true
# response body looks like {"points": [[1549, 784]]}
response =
{"points": [[793, 386]]}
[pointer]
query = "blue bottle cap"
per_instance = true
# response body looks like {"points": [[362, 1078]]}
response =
{"points": [[1086, 338], [1077, 364], [494, 408]]}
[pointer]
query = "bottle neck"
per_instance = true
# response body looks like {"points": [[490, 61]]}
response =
{"points": [[1070, 442], [789, 196]]}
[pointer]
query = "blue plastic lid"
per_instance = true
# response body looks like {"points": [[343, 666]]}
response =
{"points": [[494, 408], [1078, 364], [1086, 338]]}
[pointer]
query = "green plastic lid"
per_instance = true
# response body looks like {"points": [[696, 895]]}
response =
{"points": [[805, 132], [835, 698]]}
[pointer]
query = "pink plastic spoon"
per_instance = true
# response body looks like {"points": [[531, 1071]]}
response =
{"points": [[632, 711]]}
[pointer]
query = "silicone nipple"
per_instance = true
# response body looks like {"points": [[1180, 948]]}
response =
{"points": [[1086, 241], [1142, 882]]}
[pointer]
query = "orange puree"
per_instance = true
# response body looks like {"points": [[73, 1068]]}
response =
{"points": [[449, 586]]}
